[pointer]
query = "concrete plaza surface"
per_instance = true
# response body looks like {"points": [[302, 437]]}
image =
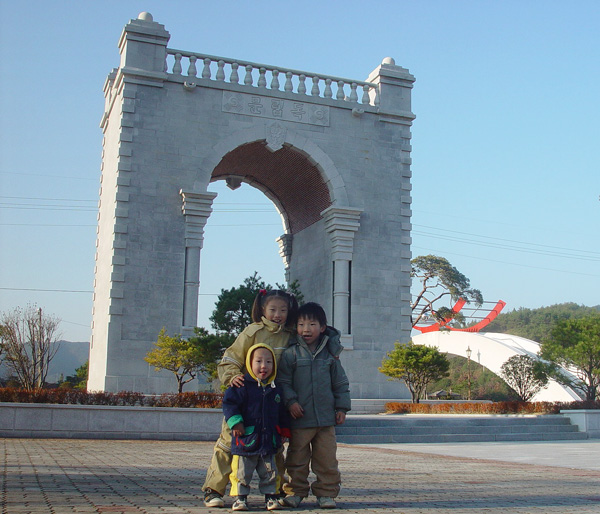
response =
{"points": [[583, 454], [158, 477]]}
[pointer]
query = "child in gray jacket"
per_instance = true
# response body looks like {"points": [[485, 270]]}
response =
{"points": [[317, 395]]}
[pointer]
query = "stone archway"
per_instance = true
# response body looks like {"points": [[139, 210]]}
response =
{"points": [[333, 155], [295, 182]]}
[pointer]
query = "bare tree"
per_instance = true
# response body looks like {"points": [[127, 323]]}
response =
{"points": [[29, 340]]}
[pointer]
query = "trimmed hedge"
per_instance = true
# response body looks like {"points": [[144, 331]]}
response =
{"points": [[487, 408], [80, 397], [214, 400]]}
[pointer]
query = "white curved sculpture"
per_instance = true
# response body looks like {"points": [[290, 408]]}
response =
{"points": [[491, 351]]}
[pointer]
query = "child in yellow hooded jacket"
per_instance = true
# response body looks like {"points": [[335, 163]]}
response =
{"points": [[259, 423]]}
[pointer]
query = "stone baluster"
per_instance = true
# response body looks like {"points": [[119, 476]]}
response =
{"points": [[302, 85], [262, 79], [234, 78], [177, 65], [327, 93], [376, 101], [192, 71], [275, 80], [340, 95], [206, 69], [248, 78], [365, 96], [315, 87], [288, 82], [221, 71], [353, 94]]}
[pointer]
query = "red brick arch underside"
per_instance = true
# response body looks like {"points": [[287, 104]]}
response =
{"points": [[285, 174]]}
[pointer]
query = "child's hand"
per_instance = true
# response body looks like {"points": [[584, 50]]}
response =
{"points": [[238, 430], [340, 417], [296, 411], [238, 381]]}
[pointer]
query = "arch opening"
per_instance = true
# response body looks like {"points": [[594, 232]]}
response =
{"points": [[286, 176], [239, 237]]}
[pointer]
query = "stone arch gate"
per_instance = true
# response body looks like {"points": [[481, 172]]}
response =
{"points": [[332, 154]]}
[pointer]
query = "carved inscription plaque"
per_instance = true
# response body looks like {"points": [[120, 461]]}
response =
{"points": [[275, 108]]}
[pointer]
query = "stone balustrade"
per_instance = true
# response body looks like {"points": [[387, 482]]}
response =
{"points": [[192, 66]]}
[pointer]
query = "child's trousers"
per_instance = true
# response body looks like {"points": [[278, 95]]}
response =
{"points": [[217, 476], [243, 468], [312, 447]]}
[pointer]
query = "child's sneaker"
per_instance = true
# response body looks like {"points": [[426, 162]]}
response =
{"points": [[271, 502], [213, 499], [290, 501], [326, 503], [240, 503]]}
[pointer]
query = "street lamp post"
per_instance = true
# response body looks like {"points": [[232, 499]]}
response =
{"points": [[468, 351]]}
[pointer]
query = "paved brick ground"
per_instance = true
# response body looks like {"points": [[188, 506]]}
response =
{"points": [[149, 477]]}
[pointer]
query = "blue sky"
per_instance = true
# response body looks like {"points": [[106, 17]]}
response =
{"points": [[505, 161]]}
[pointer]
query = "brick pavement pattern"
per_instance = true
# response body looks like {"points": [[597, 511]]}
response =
{"points": [[54, 476]]}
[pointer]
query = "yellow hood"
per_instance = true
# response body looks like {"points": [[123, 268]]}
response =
{"points": [[249, 363]]}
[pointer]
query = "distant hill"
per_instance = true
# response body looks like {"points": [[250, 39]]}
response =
{"points": [[536, 324], [68, 358]]}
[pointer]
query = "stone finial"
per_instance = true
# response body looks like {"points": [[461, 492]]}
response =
{"points": [[389, 60], [145, 16]]}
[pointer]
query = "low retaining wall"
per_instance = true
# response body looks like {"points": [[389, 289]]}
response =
{"points": [[39, 420], [36, 420], [586, 420]]}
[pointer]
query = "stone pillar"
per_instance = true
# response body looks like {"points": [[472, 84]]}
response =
{"points": [[143, 48], [395, 86], [341, 225], [113, 363], [285, 252], [197, 208]]}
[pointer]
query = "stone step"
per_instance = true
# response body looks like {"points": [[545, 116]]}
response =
{"points": [[407, 420], [459, 438], [411, 428], [369, 406], [472, 429]]}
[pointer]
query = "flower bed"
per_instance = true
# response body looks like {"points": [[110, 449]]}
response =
{"points": [[123, 398], [487, 408]]}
